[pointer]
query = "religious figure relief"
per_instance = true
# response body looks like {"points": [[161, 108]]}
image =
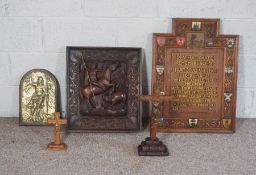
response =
{"points": [[37, 97], [36, 103], [195, 40], [104, 88]]}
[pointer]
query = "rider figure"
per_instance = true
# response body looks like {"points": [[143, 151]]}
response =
{"points": [[103, 82]]}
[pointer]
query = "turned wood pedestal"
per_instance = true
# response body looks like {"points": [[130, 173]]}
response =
{"points": [[152, 146]]}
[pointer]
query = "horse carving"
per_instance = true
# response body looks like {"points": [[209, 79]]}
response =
{"points": [[98, 87], [115, 98]]}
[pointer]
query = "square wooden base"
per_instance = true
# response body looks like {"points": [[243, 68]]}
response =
{"points": [[56, 147], [151, 147]]}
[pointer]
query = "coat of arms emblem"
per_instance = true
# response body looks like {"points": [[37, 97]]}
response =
{"points": [[180, 41]]}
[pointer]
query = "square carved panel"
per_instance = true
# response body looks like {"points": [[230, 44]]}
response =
{"points": [[103, 85]]}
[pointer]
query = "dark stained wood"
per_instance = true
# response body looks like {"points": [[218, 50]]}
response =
{"points": [[152, 146], [197, 67], [103, 85]]}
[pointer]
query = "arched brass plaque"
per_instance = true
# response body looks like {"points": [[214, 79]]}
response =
{"points": [[38, 97]]}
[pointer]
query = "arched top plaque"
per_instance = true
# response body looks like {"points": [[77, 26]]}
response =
{"points": [[38, 97]]}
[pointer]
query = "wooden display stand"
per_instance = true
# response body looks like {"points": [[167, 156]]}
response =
{"points": [[57, 121], [152, 146]]}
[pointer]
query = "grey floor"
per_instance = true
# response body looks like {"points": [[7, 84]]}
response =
{"points": [[23, 151]]}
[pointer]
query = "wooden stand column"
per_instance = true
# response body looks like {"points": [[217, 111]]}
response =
{"points": [[152, 146], [57, 121]]}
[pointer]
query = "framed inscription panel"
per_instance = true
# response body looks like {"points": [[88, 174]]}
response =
{"points": [[197, 67], [103, 89]]}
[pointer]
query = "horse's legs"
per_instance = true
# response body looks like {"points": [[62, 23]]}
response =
{"points": [[124, 101], [124, 104], [90, 101]]}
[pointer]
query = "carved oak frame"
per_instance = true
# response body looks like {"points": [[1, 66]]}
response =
{"points": [[78, 122], [163, 41]]}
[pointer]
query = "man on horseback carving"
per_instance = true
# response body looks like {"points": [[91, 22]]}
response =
{"points": [[104, 81], [98, 87]]}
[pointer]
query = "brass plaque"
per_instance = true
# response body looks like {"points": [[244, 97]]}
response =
{"points": [[38, 97], [197, 67]]}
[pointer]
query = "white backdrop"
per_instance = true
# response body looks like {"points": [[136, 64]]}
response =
{"points": [[35, 33]]}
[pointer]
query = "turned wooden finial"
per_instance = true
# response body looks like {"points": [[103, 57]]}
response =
{"points": [[57, 122]]}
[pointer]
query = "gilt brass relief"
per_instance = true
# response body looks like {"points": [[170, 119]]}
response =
{"points": [[38, 97]]}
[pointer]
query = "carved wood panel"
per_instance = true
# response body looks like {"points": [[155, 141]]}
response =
{"points": [[103, 89], [197, 67]]}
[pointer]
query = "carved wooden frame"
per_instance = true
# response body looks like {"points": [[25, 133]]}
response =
{"points": [[163, 41], [78, 122]]}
